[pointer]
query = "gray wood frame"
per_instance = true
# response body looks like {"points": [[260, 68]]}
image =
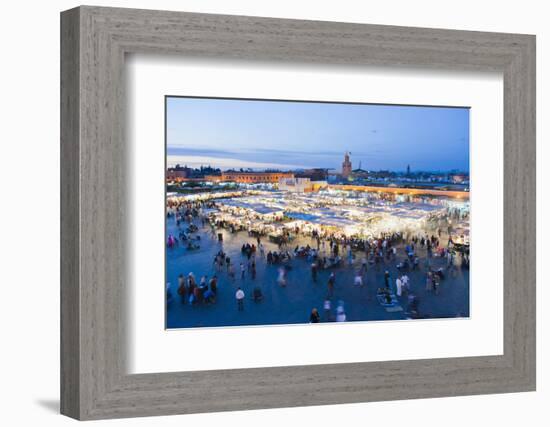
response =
{"points": [[94, 41]]}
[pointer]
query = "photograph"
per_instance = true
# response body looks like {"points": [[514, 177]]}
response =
{"points": [[285, 212]]}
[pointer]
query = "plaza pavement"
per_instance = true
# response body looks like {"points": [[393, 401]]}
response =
{"points": [[293, 304]]}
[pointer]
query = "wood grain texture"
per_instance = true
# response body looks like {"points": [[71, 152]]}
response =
{"points": [[70, 263], [95, 383]]}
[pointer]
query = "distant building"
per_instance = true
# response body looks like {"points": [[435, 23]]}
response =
{"points": [[459, 178], [301, 185], [359, 173], [382, 174], [346, 166], [333, 176], [255, 177], [408, 170], [298, 185], [178, 173], [314, 174]]}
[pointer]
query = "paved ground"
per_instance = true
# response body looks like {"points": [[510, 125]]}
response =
{"points": [[293, 303]]}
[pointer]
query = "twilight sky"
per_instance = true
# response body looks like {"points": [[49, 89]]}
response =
{"points": [[289, 135]]}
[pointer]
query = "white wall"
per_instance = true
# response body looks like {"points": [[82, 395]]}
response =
{"points": [[29, 239]]}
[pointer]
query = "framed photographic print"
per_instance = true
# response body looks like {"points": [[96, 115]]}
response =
{"points": [[287, 213]]}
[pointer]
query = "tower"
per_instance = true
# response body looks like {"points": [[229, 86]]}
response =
{"points": [[408, 170], [346, 166]]}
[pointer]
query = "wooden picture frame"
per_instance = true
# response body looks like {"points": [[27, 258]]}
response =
{"points": [[94, 382]]}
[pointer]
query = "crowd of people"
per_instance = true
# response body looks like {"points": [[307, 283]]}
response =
{"points": [[324, 251], [191, 292]]}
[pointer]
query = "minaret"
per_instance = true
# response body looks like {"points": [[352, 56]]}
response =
{"points": [[346, 166]]}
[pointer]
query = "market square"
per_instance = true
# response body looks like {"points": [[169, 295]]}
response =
{"points": [[264, 236]]}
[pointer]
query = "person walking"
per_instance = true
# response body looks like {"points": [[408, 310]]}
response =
{"points": [[314, 272], [327, 306], [358, 281], [181, 288], [429, 281], [281, 280], [435, 283], [364, 264], [349, 255], [214, 285], [331, 283], [314, 317], [253, 270], [405, 282], [239, 296], [191, 287], [340, 314], [242, 271], [398, 286]]}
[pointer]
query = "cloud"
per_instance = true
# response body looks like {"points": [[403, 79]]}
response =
{"points": [[183, 149], [225, 163]]}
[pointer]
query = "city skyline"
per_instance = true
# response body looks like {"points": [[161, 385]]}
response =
{"points": [[301, 135], [359, 167]]}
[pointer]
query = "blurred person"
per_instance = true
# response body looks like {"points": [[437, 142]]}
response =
{"points": [[239, 296], [314, 317]]}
